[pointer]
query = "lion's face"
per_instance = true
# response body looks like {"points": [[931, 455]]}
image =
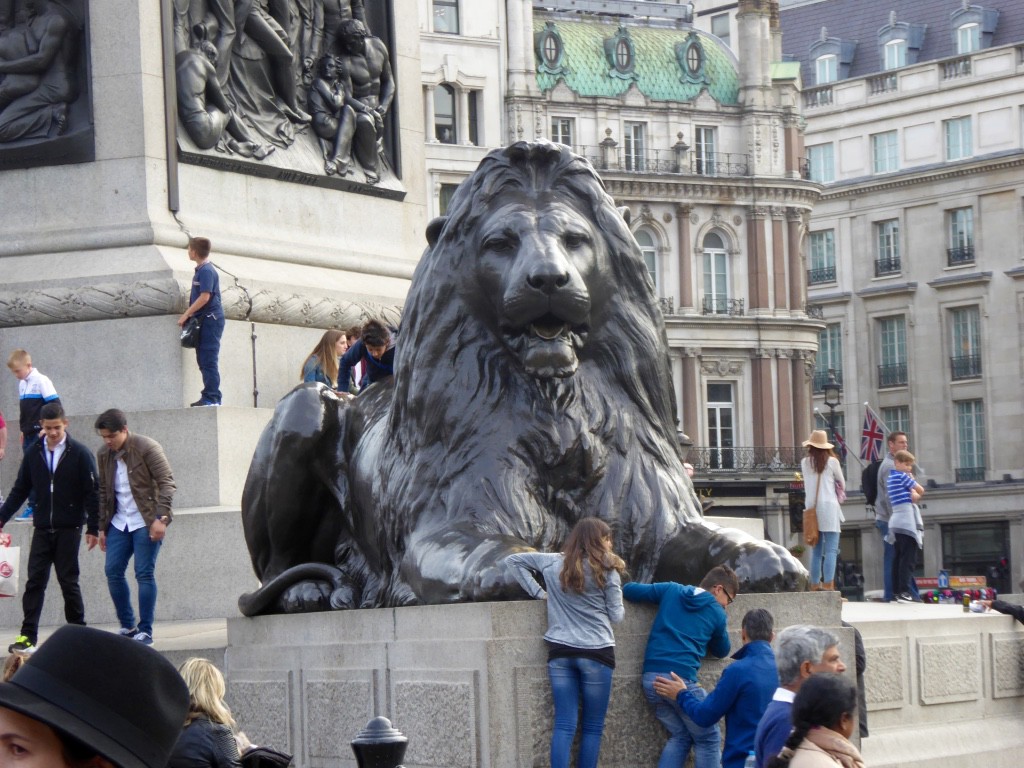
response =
{"points": [[538, 264]]}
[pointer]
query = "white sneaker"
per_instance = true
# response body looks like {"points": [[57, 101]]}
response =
{"points": [[144, 637]]}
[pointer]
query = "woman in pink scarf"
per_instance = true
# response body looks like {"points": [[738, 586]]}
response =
{"points": [[824, 716]]}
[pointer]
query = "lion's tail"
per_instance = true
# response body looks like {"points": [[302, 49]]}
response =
{"points": [[263, 599]]}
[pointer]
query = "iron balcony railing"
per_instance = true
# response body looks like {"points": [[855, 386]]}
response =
{"points": [[821, 379], [821, 275], [970, 474], [887, 266], [667, 304], [961, 255], [667, 161], [759, 459], [965, 367], [714, 306], [894, 375]]}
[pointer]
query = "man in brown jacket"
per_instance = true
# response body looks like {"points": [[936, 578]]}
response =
{"points": [[136, 489]]}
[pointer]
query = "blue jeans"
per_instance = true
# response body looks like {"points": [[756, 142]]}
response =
{"points": [[207, 356], [572, 678], [827, 547], [121, 546], [682, 731]]}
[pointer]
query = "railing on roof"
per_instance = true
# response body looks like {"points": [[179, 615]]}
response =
{"points": [[659, 10], [884, 83], [818, 97], [954, 68], [667, 161]]}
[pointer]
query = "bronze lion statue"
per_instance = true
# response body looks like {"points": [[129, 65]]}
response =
{"points": [[531, 388]]}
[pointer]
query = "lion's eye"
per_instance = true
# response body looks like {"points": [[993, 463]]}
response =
{"points": [[575, 239], [501, 243]]}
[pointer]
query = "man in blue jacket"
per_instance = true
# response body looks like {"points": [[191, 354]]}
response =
{"points": [[63, 474], [742, 694], [690, 624]]}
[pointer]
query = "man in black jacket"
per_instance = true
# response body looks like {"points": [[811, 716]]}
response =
{"points": [[62, 472]]}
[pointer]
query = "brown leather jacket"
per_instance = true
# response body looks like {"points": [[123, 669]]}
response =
{"points": [[149, 476]]}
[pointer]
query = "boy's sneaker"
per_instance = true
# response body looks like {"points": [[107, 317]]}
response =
{"points": [[25, 515], [905, 597], [128, 632], [21, 645], [144, 637]]}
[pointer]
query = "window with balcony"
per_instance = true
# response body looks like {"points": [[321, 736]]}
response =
{"points": [[821, 159], [895, 54], [897, 418], [965, 351], [968, 38], [970, 438], [892, 370], [563, 130], [649, 250], [635, 142], [958, 138], [446, 16], [704, 150], [887, 247], [826, 69], [720, 27], [823, 257], [961, 237], [885, 156], [721, 436], [830, 356], [716, 277]]}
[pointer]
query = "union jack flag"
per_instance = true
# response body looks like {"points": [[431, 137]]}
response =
{"points": [[841, 445], [871, 437]]}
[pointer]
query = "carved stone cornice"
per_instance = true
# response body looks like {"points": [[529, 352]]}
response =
{"points": [[167, 296], [721, 366]]}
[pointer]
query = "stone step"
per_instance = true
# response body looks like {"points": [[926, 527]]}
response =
{"points": [[202, 568]]}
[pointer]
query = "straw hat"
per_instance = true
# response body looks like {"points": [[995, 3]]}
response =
{"points": [[818, 439]]}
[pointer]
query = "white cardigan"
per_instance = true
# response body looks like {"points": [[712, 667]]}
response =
{"points": [[830, 513]]}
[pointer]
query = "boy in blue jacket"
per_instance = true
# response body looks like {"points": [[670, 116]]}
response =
{"points": [[742, 694], [690, 624]]}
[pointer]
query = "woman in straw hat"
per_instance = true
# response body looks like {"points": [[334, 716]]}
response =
{"points": [[823, 479]]}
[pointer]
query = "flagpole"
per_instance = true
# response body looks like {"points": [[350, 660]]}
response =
{"points": [[878, 418], [849, 452]]}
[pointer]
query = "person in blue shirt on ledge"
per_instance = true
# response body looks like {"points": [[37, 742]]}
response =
{"points": [[376, 349], [690, 624], [742, 694]]}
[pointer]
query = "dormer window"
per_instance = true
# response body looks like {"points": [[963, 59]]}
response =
{"points": [[620, 54], [690, 57], [895, 54], [826, 69], [968, 38], [900, 43], [549, 49]]}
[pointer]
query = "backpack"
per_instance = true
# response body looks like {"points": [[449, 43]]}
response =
{"points": [[869, 481]]}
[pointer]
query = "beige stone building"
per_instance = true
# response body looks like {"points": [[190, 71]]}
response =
{"points": [[914, 126]]}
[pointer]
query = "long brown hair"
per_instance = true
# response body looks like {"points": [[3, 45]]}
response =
{"points": [[586, 541], [819, 457], [326, 356]]}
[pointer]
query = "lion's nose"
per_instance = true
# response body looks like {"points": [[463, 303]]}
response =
{"points": [[547, 280]]}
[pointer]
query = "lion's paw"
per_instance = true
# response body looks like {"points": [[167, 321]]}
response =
{"points": [[307, 596], [763, 566]]}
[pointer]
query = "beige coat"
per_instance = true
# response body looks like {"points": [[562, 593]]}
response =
{"points": [[149, 476]]}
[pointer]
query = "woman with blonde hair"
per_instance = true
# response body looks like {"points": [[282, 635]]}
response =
{"points": [[322, 363], [823, 482], [208, 740], [584, 595]]}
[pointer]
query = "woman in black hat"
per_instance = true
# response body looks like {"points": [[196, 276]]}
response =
{"points": [[91, 699]]}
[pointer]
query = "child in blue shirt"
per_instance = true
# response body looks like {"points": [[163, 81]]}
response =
{"points": [[905, 526]]}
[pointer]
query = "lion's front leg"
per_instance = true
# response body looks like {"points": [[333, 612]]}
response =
{"points": [[761, 566], [461, 563]]}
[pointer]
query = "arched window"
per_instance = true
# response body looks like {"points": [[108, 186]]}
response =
{"points": [[716, 275], [968, 38], [649, 249], [444, 113]]}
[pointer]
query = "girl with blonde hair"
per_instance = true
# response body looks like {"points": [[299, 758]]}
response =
{"points": [[322, 363], [208, 740], [584, 595]]}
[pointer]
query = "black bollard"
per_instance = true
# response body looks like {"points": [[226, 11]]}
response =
{"points": [[379, 745]]}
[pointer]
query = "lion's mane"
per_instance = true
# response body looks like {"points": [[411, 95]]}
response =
{"points": [[600, 442]]}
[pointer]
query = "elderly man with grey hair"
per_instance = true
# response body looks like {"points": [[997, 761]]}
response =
{"points": [[801, 651]]}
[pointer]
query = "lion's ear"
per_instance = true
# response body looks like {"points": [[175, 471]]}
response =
{"points": [[434, 229], [624, 210]]}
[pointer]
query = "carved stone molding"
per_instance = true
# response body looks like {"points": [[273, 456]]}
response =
{"points": [[167, 296], [721, 367]]}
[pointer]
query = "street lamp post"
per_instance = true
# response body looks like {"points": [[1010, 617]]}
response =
{"points": [[832, 389]]}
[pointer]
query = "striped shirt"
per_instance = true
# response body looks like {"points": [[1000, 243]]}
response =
{"points": [[898, 485]]}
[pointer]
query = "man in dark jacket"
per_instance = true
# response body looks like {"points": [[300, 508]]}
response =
{"points": [[63, 474], [136, 488]]}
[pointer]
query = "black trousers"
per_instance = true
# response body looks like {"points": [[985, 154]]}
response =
{"points": [[903, 563], [57, 548]]}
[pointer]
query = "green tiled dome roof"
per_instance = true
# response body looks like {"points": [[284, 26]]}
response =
{"points": [[657, 71]]}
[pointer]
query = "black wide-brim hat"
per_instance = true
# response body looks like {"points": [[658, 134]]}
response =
{"points": [[113, 694]]}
